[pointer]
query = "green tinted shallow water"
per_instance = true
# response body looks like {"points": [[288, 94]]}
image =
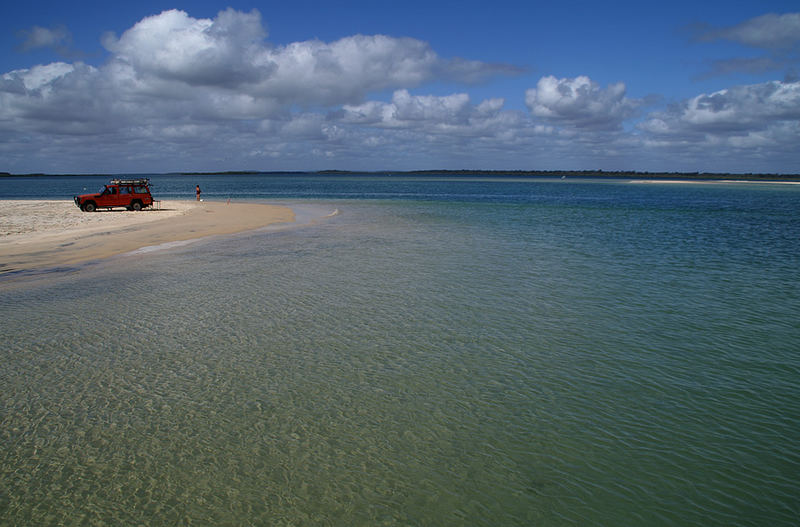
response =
{"points": [[418, 363]]}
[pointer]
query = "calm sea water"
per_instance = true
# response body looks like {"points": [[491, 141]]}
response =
{"points": [[441, 352]]}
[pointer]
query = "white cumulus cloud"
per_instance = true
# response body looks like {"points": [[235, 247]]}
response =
{"points": [[742, 128], [580, 103], [174, 82], [181, 93], [426, 112], [730, 111], [174, 66], [315, 72], [172, 45], [230, 52]]}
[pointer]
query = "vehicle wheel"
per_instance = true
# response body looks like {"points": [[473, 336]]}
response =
{"points": [[136, 205], [89, 207]]}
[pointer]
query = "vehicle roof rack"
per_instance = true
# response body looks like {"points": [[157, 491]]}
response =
{"points": [[139, 181]]}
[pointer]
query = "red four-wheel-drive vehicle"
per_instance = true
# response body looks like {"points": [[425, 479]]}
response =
{"points": [[133, 194]]}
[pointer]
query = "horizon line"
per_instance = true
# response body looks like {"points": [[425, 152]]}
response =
{"points": [[442, 172]]}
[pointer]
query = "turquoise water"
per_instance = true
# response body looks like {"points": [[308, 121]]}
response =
{"points": [[441, 352]]}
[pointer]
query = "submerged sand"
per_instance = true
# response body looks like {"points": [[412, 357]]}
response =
{"points": [[43, 234]]}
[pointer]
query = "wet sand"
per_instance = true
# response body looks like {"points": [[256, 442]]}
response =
{"points": [[39, 234]]}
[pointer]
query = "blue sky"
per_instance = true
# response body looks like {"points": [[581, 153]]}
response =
{"points": [[168, 86]]}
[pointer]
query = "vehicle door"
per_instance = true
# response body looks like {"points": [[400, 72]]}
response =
{"points": [[108, 197], [124, 196]]}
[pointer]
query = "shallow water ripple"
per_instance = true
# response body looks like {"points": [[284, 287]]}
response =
{"points": [[411, 364]]}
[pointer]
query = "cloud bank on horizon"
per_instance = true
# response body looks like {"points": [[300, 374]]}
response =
{"points": [[182, 93]]}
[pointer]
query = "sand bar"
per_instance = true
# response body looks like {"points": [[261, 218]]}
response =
{"points": [[713, 182], [39, 234]]}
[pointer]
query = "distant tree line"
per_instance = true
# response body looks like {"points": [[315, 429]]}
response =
{"points": [[621, 174]]}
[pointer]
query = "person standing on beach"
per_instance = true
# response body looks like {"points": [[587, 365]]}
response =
{"points": [[197, 191]]}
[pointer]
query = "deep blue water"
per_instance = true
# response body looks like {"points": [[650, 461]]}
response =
{"points": [[444, 351], [456, 189]]}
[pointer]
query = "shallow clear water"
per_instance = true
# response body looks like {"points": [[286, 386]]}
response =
{"points": [[440, 352]]}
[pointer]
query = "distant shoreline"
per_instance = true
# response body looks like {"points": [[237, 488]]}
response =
{"points": [[594, 174]]}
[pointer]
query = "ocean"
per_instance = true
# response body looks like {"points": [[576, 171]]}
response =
{"points": [[426, 351]]}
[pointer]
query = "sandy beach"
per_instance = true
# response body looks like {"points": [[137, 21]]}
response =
{"points": [[39, 234]]}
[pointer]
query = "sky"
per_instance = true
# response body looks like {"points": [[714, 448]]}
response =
{"points": [[153, 86]]}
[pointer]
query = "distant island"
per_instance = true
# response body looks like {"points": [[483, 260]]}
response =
{"points": [[620, 174]]}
